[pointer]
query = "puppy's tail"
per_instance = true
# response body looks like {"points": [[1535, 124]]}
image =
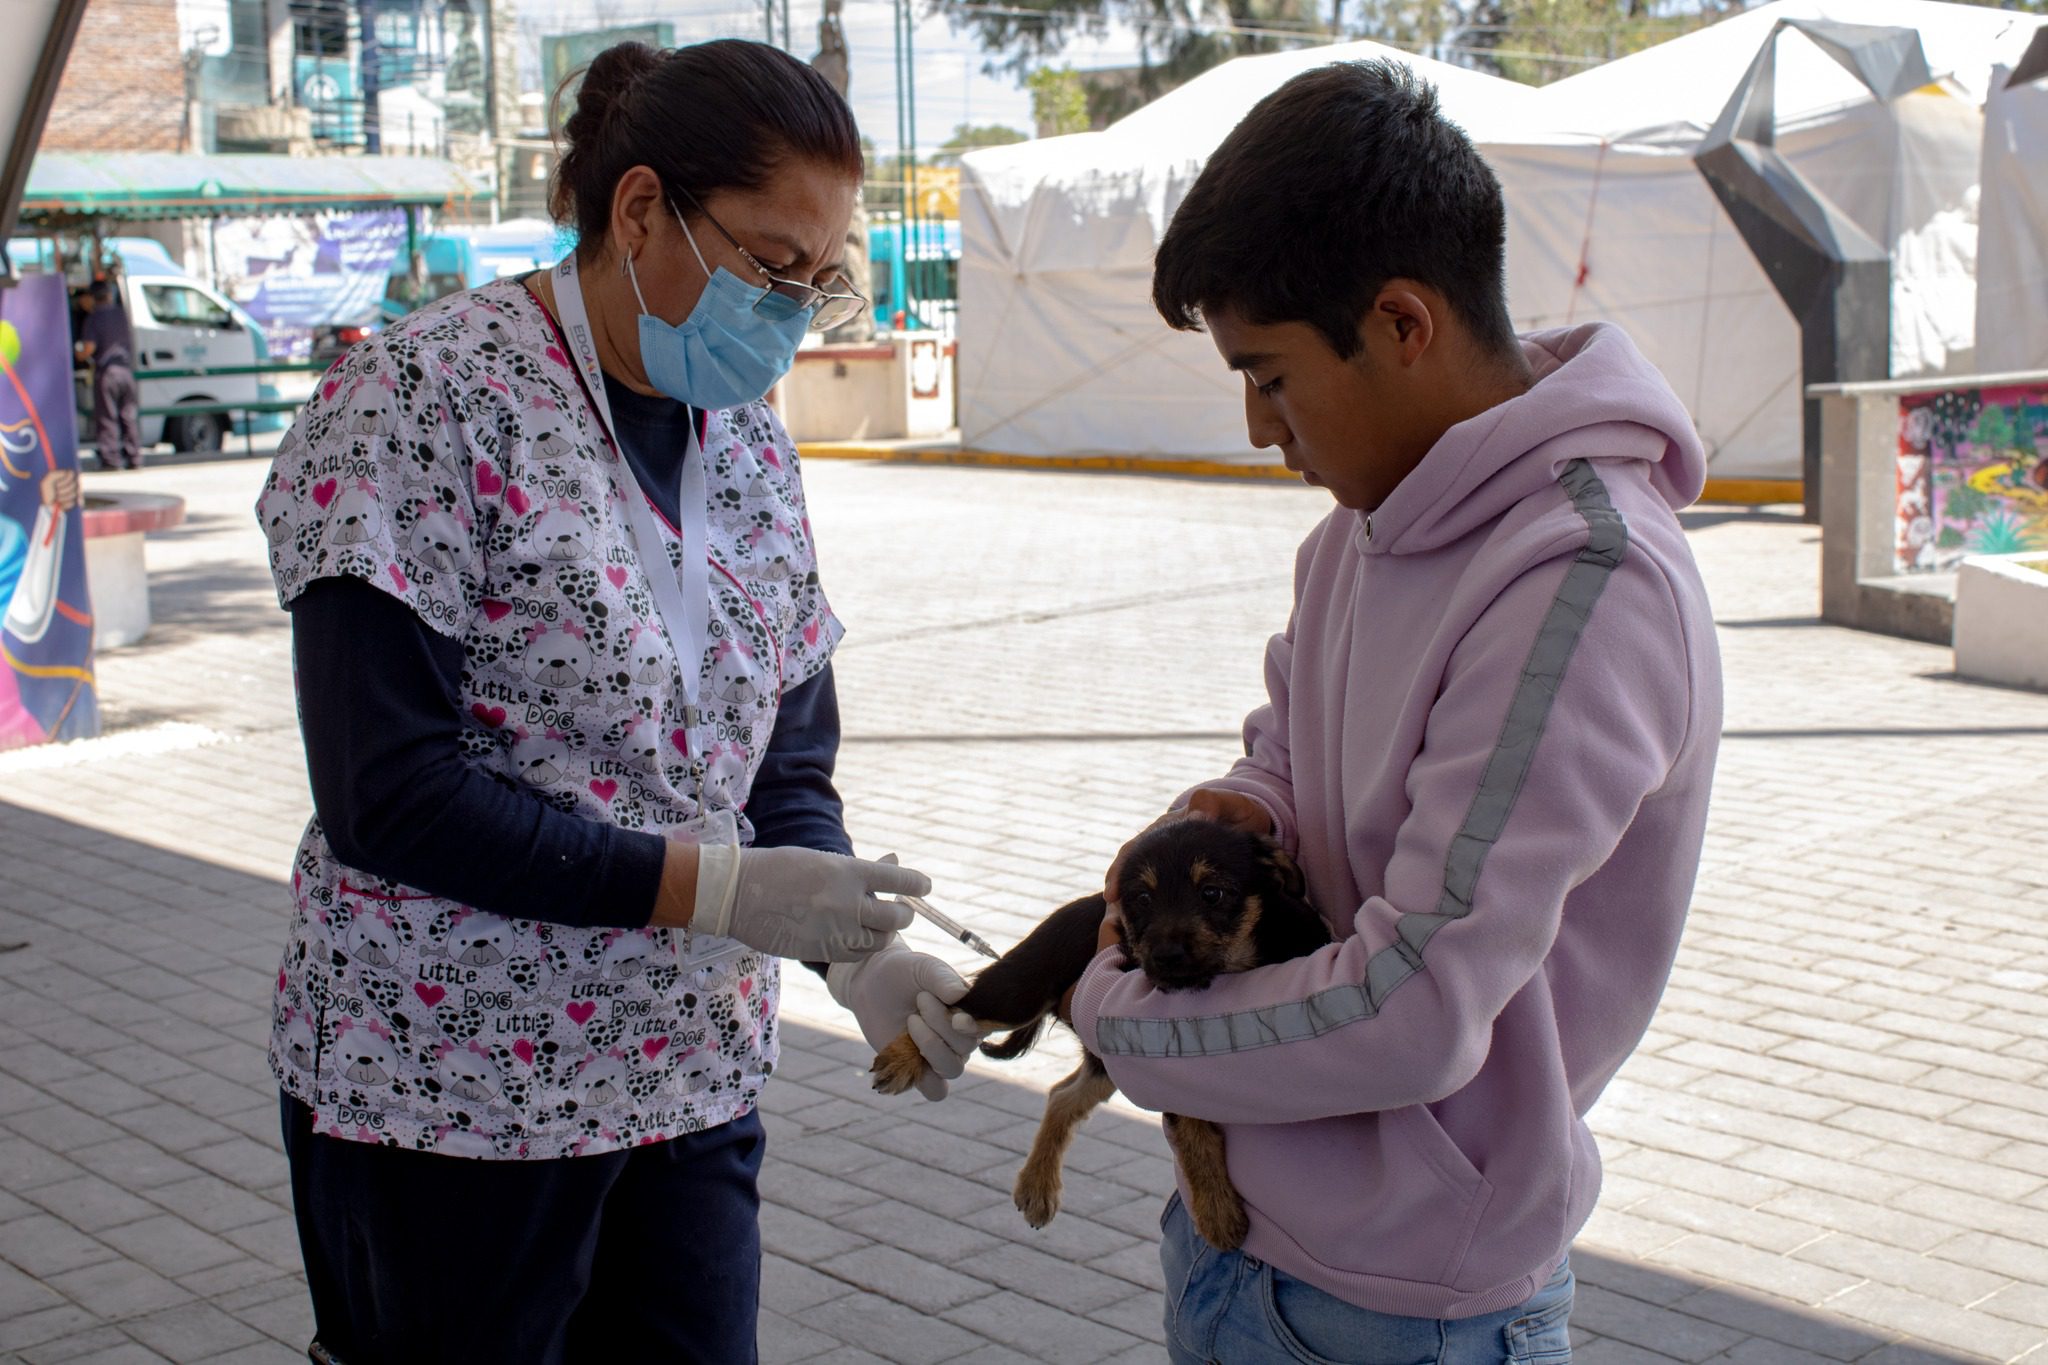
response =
{"points": [[1017, 1044]]}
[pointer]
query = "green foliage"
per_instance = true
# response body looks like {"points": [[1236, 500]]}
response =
{"points": [[1964, 503], [1528, 40], [1059, 102], [881, 191], [1177, 39], [1539, 41], [2001, 533], [1995, 430], [966, 137]]}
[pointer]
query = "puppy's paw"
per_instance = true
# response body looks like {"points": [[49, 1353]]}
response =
{"points": [[1037, 1194], [898, 1066], [1220, 1217]]}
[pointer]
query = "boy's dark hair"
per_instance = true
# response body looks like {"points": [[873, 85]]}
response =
{"points": [[1342, 179], [708, 117]]}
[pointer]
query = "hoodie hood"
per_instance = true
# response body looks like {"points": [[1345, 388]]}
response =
{"points": [[1595, 398]]}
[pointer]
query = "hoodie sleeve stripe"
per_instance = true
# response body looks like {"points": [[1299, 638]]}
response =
{"points": [[1506, 770]]}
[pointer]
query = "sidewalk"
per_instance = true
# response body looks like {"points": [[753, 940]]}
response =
{"points": [[1829, 1149]]}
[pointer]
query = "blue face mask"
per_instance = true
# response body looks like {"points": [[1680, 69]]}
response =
{"points": [[732, 348]]}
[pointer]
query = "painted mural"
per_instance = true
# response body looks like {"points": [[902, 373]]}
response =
{"points": [[1972, 475], [46, 677]]}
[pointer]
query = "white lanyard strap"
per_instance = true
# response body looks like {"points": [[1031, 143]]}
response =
{"points": [[684, 603]]}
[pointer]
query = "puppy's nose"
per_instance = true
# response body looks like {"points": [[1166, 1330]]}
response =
{"points": [[1172, 957]]}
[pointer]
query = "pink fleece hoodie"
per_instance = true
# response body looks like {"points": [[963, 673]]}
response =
{"points": [[1490, 736]]}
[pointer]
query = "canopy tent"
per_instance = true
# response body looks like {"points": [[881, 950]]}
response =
{"points": [[2012, 237], [136, 186], [1634, 232], [1061, 352]]}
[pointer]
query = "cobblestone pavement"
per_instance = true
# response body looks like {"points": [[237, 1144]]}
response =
{"points": [[1831, 1146]]}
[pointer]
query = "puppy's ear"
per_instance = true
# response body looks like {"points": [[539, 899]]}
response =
{"points": [[1282, 869], [1292, 926]]}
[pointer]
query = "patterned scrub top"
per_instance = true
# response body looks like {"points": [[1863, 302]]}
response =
{"points": [[455, 461]]}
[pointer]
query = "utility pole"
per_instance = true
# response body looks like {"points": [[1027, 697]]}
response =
{"points": [[909, 236]]}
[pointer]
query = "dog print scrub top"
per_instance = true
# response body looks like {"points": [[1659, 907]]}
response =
{"points": [[456, 463]]}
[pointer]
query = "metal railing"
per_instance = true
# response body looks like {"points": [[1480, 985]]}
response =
{"points": [[250, 408]]}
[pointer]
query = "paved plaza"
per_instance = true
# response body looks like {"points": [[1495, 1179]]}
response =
{"points": [[1833, 1146]]}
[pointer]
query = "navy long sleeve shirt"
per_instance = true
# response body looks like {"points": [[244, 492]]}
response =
{"points": [[381, 718]]}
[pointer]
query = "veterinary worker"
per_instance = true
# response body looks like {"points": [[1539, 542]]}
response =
{"points": [[564, 678], [1491, 727]]}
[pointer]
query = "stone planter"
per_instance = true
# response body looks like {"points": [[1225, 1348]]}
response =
{"points": [[114, 526]]}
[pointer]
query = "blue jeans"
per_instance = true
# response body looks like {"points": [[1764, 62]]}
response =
{"points": [[1227, 1307]]}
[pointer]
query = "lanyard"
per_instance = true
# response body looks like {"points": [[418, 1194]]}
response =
{"points": [[684, 603]]}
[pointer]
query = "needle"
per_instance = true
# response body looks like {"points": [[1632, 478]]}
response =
{"points": [[921, 906]]}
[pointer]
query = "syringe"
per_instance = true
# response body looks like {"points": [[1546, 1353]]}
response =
{"points": [[939, 918]]}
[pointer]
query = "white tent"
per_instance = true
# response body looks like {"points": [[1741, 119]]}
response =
{"points": [[2012, 240], [1061, 352], [1633, 233]]}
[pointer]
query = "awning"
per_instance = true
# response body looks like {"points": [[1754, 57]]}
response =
{"points": [[143, 185]]}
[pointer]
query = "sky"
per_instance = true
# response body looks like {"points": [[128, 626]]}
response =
{"points": [[951, 88]]}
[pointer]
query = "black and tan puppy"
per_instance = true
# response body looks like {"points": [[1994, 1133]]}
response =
{"points": [[1199, 900]]}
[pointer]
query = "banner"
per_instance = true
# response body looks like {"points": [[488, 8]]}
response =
{"points": [[46, 679], [293, 274]]}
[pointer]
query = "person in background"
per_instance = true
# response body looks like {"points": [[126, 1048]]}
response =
{"points": [[108, 342]]}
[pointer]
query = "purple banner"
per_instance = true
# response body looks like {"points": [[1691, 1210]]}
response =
{"points": [[46, 677]]}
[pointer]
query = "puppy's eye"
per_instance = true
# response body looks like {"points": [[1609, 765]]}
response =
{"points": [[1212, 895], [1141, 901]]}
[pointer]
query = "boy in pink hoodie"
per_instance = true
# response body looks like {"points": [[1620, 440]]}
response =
{"points": [[1489, 739]]}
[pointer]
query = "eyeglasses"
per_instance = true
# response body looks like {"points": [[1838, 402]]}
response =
{"points": [[828, 308]]}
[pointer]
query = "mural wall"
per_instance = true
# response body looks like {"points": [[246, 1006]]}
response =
{"points": [[1972, 475]]}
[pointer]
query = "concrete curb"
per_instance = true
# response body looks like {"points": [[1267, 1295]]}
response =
{"points": [[1750, 491]]}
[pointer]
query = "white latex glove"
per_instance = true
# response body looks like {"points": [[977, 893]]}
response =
{"points": [[800, 903], [899, 990]]}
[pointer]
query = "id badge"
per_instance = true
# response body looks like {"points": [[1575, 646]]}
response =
{"points": [[697, 951]]}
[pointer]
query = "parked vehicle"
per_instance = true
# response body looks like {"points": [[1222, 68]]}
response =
{"points": [[181, 323], [933, 253], [453, 260]]}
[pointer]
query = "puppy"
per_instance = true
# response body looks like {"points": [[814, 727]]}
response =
{"points": [[1199, 900]]}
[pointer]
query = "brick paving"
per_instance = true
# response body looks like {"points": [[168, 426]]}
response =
{"points": [[1830, 1148]]}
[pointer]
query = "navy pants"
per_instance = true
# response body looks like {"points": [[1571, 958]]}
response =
{"points": [[652, 1254], [115, 416]]}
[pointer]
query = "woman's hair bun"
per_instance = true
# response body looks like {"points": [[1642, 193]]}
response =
{"points": [[712, 116], [607, 81]]}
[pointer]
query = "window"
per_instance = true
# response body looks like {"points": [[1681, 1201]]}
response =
{"points": [[179, 305], [320, 28]]}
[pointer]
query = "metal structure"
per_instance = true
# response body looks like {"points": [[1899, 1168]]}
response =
{"points": [[1835, 279], [908, 223]]}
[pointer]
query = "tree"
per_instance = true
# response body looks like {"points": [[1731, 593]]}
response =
{"points": [[1177, 39], [1539, 41], [1059, 103], [881, 189], [966, 137]]}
